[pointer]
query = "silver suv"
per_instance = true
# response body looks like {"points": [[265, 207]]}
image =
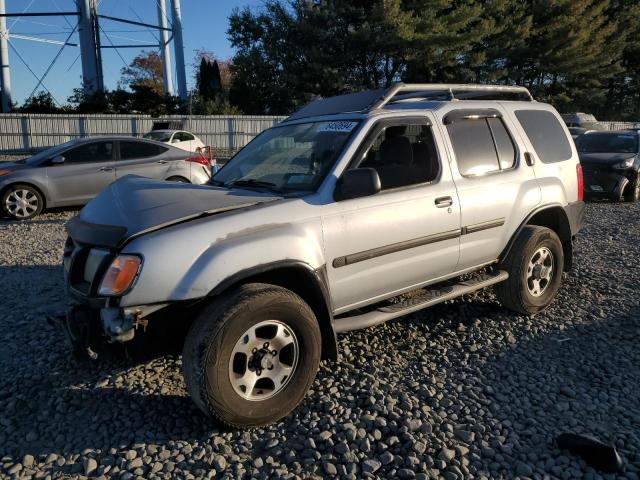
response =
{"points": [[356, 210]]}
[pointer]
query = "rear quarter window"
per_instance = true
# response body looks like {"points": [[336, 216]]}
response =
{"points": [[545, 134]]}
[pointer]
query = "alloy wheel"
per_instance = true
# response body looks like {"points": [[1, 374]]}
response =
{"points": [[263, 360], [540, 271], [21, 203]]}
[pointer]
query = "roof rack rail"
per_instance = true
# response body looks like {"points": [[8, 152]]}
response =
{"points": [[443, 88], [372, 100]]}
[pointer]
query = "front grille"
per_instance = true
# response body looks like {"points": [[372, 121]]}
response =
{"points": [[84, 266]]}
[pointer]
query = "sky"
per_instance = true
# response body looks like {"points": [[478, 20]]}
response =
{"points": [[204, 26]]}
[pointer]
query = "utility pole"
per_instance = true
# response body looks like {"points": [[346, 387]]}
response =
{"points": [[164, 48], [91, 78], [5, 77], [179, 49]]}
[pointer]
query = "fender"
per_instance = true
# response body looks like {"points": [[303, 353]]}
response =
{"points": [[309, 283], [566, 227]]}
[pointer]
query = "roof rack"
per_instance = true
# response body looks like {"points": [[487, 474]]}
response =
{"points": [[373, 100], [414, 90]]}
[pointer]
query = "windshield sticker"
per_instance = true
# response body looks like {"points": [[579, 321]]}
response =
{"points": [[338, 127]]}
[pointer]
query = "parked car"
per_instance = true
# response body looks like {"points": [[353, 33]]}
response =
{"points": [[577, 131], [74, 172], [354, 211], [611, 164], [177, 138], [581, 120]]}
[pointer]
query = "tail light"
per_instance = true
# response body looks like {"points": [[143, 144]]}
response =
{"points": [[580, 181], [199, 159]]}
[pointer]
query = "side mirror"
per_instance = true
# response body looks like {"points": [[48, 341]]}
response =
{"points": [[57, 160], [357, 182], [175, 140]]}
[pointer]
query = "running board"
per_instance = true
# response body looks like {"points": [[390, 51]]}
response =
{"points": [[413, 304]]}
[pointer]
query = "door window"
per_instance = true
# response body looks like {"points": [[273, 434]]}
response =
{"points": [[90, 152], [185, 137], [131, 150], [403, 155], [481, 145]]}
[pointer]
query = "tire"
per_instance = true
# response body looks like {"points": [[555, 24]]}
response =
{"points": [[519, 293], [178, 179], [22, 202], [632, 192], [212, 355]]}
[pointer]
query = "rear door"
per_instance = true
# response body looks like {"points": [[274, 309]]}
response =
{"points": [[496, 188], [554, 156], [136, 157], [86, 170]]}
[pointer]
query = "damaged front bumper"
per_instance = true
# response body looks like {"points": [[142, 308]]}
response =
{"points": [[86, 328]]}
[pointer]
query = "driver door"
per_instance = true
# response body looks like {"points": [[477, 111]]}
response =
{"points": [[405, 235], [86, 170]]}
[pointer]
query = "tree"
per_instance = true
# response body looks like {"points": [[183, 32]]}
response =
{"points": [[145, 70], [41, 102], [289, 53], [209, 80]]}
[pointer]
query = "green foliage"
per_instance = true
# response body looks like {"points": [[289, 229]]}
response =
{"points": [[577, 54], [140, 99], [41, 102]]}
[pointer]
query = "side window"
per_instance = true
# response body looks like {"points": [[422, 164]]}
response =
{"points": [[90, 152], [545, 134], [131, 150], [403, 155], [186, 137], [481, 145]]}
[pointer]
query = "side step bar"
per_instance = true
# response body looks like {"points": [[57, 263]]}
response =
{"points": [[427, 299]]}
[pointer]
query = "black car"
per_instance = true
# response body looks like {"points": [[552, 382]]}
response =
{"points": [[611, 164]]}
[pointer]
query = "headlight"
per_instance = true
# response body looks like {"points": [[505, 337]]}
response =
{"points": [[625, 164], [120, 275]]}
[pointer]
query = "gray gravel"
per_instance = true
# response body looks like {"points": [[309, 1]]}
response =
{"points": [[464, 390]]}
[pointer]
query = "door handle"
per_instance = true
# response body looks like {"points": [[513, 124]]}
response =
{"points": [[443, 202], [105, 169], [162, 162], [528, 158]]}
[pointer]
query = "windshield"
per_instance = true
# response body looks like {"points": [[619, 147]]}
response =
{"points": [[288, 158], [608, 143], [158, 136], [48, 153]]}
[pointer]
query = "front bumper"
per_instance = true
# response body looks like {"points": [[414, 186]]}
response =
{"points": [[602, 181]]}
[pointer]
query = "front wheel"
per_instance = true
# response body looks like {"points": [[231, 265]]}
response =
{"points": [[251, 355], [535, 264], [632, 192], [22, 202]]}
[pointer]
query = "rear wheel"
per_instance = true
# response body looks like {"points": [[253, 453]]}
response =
{"points": [[251, 355], [535, 264], [22, 202]]}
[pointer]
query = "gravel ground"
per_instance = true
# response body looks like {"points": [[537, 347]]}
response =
{"points": [[464, 390]]}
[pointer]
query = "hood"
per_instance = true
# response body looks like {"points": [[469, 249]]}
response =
{"points": [[14, 166], [604, 158], [133, 206]]}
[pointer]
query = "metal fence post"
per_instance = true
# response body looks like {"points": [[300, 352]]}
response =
{"points": [[230, 127], [24, 124]]}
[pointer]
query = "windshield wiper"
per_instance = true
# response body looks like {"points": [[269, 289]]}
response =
{"points": [[252, 182]]}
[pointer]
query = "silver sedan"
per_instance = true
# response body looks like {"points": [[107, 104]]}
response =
{"points": [[73, 173]]}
